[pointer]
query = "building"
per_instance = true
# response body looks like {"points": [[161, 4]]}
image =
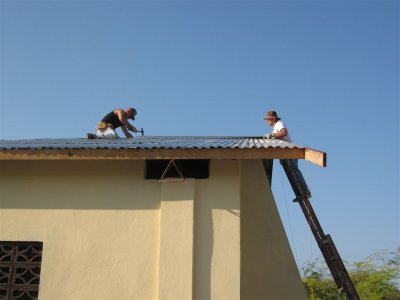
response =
{"points": [[113, 219]]}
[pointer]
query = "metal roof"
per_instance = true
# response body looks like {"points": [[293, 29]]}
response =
{"points": [[159, 147], [149, 142]]}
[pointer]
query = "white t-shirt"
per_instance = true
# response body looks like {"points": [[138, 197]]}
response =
{"points": [[280, 125]]}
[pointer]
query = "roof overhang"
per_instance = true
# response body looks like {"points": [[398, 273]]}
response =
{"points": [[311, 155]]}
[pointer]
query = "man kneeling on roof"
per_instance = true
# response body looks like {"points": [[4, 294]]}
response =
{"points": [[280, 131], [105, 129]]}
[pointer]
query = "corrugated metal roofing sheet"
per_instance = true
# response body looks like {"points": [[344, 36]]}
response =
{"points": [[149, 142]]}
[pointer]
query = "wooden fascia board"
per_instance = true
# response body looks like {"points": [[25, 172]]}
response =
{"points": [[315, 156], [216, 153]]}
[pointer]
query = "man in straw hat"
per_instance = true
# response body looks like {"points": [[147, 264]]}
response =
{"points": [[281, 132], [279, 129]]}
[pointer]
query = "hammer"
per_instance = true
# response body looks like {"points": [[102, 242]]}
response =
{"points": [[141, 131]]}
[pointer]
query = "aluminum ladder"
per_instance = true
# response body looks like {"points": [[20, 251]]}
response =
{"points": [[324, 241]]}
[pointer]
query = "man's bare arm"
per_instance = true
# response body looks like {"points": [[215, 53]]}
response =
{"points": [[121, 115], [280, 134], [126, 132], [131, 127]]}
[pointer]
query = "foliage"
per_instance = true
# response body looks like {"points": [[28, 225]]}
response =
{"points": [[376, 278]]}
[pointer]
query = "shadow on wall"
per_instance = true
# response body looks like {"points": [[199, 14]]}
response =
{"points": [[77, 185], [217, 225], [235, 213], [203, 252]]}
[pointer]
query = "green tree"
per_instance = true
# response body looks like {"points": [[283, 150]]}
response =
{"points": [[375, 278]]}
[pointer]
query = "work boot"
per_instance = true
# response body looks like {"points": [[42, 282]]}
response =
{"points": [[90, 136], [301, 198]]}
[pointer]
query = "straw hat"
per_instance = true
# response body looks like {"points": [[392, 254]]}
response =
{"points": [[271, 115]]}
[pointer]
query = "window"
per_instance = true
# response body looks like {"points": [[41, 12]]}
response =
{"points": [[20, 269]]}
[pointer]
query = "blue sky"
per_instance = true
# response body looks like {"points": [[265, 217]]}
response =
{"points": [[330, 69]]}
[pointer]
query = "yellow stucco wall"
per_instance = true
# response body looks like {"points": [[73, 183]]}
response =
{"points": [[110, 234], [176, 240], [99, 222], [217, 233], [268, 266]]}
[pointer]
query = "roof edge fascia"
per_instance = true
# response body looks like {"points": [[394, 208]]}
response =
{"points": [[314, 156]]}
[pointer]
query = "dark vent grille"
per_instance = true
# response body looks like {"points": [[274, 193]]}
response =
{"points": [[191, 168], [20, 264]]}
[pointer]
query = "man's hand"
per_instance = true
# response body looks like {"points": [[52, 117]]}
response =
{"points": [[131, 127], [126, 132], [268, 136], [276, 135]]}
